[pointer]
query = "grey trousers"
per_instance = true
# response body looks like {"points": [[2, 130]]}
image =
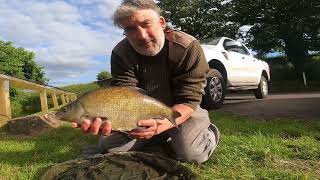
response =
{"points": [[195, 140]]}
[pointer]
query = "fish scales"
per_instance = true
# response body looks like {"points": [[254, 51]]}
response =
{"points": [[123, 106]]}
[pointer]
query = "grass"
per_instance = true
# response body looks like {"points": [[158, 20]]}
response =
{"points": [[249, 149], [81, 88], [27, 157], [257, 149]]}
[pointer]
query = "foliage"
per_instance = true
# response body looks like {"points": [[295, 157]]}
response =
{"points": [[81, 88], [289, 26], [282, 79], [281, 69], [104, 75], [24, 103], [20, 63], [248, 149], [104, 79], [28, 102], [200, 18]]}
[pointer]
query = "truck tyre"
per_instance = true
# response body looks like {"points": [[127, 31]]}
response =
{"points": [[263, 89], [214, 91]]}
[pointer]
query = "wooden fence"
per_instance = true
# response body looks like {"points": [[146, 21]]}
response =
{"points": [[8, 81]]}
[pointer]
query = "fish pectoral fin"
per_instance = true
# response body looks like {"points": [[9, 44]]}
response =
{"points": [[139, 128], [176, 114], [173, 117]]}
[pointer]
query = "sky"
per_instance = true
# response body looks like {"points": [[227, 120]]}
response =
{"points": [[72, 39]]}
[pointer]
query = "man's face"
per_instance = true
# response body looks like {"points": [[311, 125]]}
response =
{"points": [[144, 30]]}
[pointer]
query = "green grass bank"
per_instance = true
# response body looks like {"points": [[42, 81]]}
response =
{"points": [[249, 149]]}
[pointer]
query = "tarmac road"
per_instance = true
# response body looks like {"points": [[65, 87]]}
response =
{"points": [[289, 105]]}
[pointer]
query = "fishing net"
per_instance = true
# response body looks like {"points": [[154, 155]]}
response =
{"points": [[120, 165]]}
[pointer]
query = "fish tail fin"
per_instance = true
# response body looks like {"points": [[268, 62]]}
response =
{"points": [[174, 116]]}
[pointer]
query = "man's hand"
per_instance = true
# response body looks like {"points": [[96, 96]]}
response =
{"points": [[152, 127], [94, 126]]}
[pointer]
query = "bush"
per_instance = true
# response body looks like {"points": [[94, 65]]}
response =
{"points": [[283, 70], [284, 78], [24, 103], [313, 70]]}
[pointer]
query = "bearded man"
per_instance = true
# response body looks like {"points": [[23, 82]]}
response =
{"points": [[170, 66]]}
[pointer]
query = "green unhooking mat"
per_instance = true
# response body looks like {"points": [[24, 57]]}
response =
{"points": [[120, 166]]}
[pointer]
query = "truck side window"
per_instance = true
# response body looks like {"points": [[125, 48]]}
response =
{"points": [[243, 50]]}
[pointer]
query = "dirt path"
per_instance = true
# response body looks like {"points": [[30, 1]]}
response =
{"points": [[293, 105]]}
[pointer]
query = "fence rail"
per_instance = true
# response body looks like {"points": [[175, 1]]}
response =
{"points": [[8, 81]]}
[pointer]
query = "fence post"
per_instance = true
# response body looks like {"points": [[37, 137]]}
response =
{"points": [[63, 99], [44, 101], [73, 97], [68, 98], [55, 101], [5, 109]]}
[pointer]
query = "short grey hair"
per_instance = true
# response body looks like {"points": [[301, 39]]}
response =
{"points": [[129, 7]]}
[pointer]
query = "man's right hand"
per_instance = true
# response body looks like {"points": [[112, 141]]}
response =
{"points": [[94, 126]]}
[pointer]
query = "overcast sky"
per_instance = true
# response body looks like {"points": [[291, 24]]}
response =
{"points": [[72, 39]]}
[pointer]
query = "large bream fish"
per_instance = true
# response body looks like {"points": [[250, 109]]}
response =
{"points": [[123, 106]]}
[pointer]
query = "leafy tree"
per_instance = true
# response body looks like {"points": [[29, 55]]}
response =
{"points": [[200, 18], [103, 75], [20, 63], [289, 26], [104, 79]]}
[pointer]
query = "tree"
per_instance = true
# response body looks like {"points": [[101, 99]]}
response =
{"points": [[104, 75], [20, 63], [289, 26], [104, 79], [200, 18]]}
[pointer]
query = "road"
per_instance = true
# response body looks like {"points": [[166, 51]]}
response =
{"points": [[290, 105]]}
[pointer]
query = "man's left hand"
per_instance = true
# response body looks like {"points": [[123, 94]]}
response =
{"points": [[151, 127]]}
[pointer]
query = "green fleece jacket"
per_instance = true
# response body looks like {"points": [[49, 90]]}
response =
{"points": [[176, 75]]}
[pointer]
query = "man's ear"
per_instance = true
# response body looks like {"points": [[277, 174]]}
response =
{"points": [[162, 22]]}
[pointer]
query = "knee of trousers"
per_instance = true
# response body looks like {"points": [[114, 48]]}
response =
{"points": [[115, 142], [199, 150]]}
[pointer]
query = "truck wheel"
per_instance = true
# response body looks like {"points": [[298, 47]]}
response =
{"points": [[214, 91], [263, 89]]}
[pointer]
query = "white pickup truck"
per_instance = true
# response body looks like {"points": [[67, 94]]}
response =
{"points": [[233, 67]]}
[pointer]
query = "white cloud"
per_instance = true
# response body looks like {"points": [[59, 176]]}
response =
{"points": [[66, 36]]}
